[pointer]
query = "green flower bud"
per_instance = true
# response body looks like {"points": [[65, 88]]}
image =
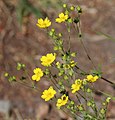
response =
{"points": [[104, 103], [53, 30], [68, 107], [50, 33], [64, 5], [80, 107], [46, 71], [84, 82], [60, 34], [55, 48], [70, 20], [72, 108], [61, 72], [23, 65], [102, 111], [66, 12], [79, 9], [72, 8], [12, 78], [108, 99], [73, 54], [60, 42], [60, 83], [72, 102], [89, 103], [6, 74], [59, 47], [64, 57], [70, 72], [65, 77], [89, 90], [58, 65], [19, 66], [54, 37]]}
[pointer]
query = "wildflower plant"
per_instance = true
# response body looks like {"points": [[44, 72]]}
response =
{"points": [[72, 89]]}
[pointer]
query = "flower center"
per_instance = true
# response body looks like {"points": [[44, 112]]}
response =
{"points": [[64, 98], [49, 60]]}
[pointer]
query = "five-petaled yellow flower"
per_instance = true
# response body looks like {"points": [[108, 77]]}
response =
{"points": [[91, 78], [76, 86], [62, 18], [48, 59], [38, 73], [48, 94], [62, 101], [43, 23]]}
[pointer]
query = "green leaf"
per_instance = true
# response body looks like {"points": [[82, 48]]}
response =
{"points": [[106, 35], [24, 8]]}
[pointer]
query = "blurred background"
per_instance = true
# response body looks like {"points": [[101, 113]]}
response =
{"points": [[22, 41]]}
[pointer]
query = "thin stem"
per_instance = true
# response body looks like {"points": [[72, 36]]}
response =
{"points": [[69, 41], [106, 94], [78, 99], [81, 40], [53, 81], [28, 86], [82, 96], [25, 71]]}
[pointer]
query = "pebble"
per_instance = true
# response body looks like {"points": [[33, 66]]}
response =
{"points": [[5, 106]]}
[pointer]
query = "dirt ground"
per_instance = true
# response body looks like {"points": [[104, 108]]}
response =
{"points": [[27, 43]]}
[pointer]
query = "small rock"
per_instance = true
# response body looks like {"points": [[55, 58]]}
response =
{"points": [[92, 11], [5, 106], [62, 115], [42, 111], [70, 118]]}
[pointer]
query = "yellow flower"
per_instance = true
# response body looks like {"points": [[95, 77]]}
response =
{"points": [[76, 86], [48, 94], [91, 78], [62, 101], [57, 63], [43, 23], [38, 73], [48, 59], [62, 18]]}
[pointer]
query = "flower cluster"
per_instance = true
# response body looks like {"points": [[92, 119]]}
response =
{"points": [[65, 67], [62, 18], [76, 86], [72, 84], [91, 78], [46, 22]]}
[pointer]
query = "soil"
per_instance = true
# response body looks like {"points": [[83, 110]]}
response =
{"points": [[26, 43]]}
